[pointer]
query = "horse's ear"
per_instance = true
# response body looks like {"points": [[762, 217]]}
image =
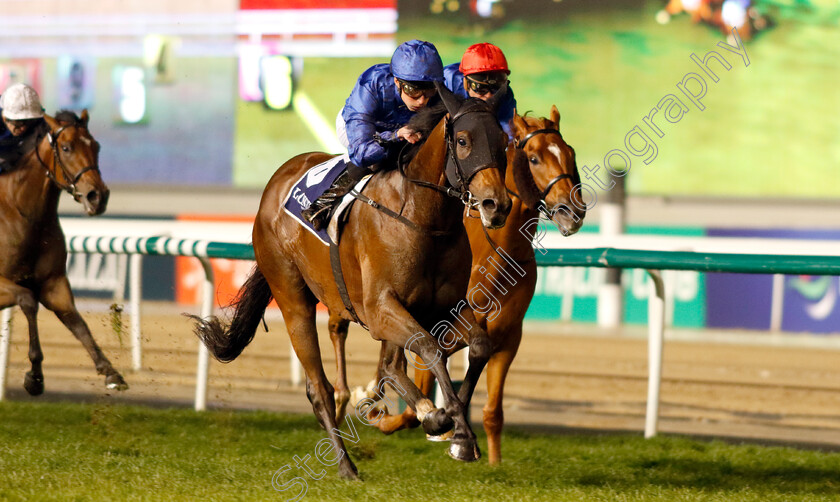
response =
{"points": [[495, 99], [520, 127], [85, 117], [450, 100], [555, 116], [50, 122]]}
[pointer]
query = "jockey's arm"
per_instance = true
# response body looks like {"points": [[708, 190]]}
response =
{"points": [[367, 145], [505, 113]]}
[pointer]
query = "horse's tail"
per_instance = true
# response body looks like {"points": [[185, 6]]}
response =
{"points": [[227, 342]]}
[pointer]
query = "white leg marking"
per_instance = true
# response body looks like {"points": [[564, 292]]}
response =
{"points": [[424, 407]]}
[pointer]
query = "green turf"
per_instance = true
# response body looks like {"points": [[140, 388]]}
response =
{"points": [[114, 452]]}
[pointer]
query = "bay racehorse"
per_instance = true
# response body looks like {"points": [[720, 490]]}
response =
{"points": [[403, 271], [542, 176], [33, 256]]}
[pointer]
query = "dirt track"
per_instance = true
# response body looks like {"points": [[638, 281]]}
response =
{"points": [[564, 376]]}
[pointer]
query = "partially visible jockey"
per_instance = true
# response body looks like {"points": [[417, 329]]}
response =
{"points": [[372, 123], [736, 14], [21, 112], [480, 74]]}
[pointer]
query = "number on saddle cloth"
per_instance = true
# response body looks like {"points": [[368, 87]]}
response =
{"points": [[310, 186]]}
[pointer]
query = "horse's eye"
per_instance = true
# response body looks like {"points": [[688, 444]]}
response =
{"points": [[65, 149], [462, 142], [534, 160]]}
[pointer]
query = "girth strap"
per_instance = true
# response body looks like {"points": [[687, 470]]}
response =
{"points": [[397, 216], [335, 262]]}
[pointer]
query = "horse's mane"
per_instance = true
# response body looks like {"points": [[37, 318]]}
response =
{"points": [[524, 180], [425, 120], [67, 117], [541, 122]]}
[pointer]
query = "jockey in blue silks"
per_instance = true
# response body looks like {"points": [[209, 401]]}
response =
{"points": [[21, 112], [480, 74], [372, 123]]}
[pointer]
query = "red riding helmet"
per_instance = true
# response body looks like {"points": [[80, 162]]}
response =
{"points": [[483, 57]]}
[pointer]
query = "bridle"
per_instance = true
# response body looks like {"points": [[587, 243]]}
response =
{"points": [[457, 176], [67, 187], [520, 145]]}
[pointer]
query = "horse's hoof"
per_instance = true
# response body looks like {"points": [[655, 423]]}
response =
{"points": [[437, 422], [348, 471], [463, 450], [33, 384], [447, 436], [115, 382]]}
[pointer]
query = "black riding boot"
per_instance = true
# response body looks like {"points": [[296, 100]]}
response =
{"points": [[318, 212]]}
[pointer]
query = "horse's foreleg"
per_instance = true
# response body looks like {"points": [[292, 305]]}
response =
{"points": [[57, 297], [497, 369], [480, 348], [12, 294], [338, 334], [396, 325]]}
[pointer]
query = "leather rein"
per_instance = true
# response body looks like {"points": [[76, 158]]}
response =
{"points": [[67, 187]]}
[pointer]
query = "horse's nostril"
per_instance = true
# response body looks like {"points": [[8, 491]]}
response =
{"points": [[562, 208], [488, 205], [93, 197]]}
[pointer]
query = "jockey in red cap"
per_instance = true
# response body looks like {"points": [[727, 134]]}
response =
{"points": [[483, 70]]}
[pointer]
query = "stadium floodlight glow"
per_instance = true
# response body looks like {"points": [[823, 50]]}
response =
{"points": [[278, 82]]}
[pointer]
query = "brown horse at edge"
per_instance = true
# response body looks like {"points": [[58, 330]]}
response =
{"points": [[33, 255], [539, 158]]}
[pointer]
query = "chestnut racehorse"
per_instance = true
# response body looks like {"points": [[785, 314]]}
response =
{"points": [[542, 179], [33, 256], [402, 275]]}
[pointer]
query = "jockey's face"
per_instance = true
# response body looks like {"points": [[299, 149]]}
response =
{"points": [[17, 127], [414, 98]]}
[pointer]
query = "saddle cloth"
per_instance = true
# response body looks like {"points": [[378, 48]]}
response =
{"points": [[310, 186]]}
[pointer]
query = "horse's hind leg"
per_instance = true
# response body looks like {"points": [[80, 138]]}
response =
{"points": [[12, 294], [297, 304], [408, 418], [56, 296], [338, 334]]}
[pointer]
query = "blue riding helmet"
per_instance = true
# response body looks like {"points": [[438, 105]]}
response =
{"points": [[417, 61]]}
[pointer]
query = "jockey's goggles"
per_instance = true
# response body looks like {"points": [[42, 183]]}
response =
{"points": [[19, 123], [488, 85], [416, 89]]}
